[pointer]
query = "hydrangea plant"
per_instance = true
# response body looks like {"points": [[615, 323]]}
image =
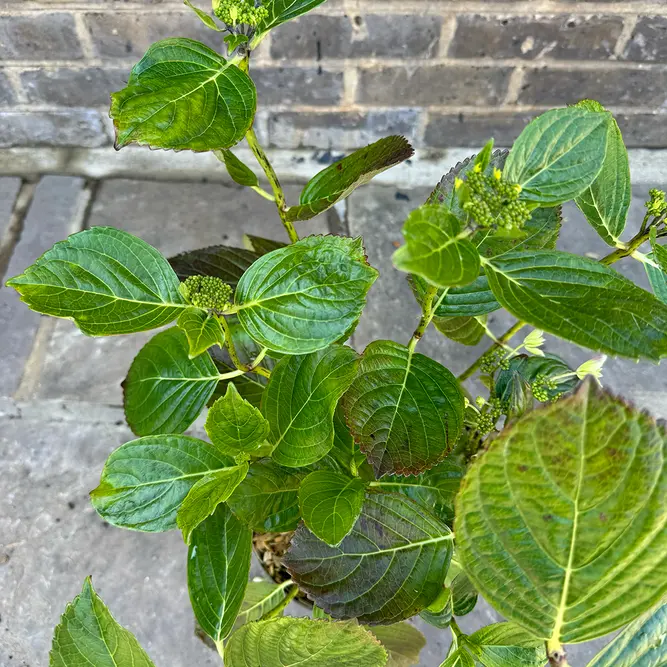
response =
{"points": [[407, 494]]}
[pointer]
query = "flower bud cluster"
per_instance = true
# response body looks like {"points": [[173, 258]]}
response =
{"points": [[656, 205], [207, 292], [234, 12], [541, 387]]}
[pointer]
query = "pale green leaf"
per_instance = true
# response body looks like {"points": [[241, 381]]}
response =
{"points": [[239, 171], [506, 645], [330, 504], [460, 658], [402, 642], [340, 179], [582, 301], [220, 261], [304, 297], [268, 498], [218, 568], [89, 635], [300, 401], [404, 409], [183, 95], [204, 497], [106, 280], [205, 18], [558, 155], [390, 567], [261, 597], [202, 329], [464, 330], [234, 425], [437, 249], [145, 481], [320, 614], [302, 642], [658, 279], [560, 524], [281, 11], [643, 643], [165, 390]]}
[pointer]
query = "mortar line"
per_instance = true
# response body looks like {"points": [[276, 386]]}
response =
{"points": [[14, 229], [514, 87], [85, 38], [629, 24]]}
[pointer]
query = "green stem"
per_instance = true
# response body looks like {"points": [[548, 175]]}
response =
{"points": [[263, 193], [556, 654], [500, 342], [276, 611], [279, 195], [627, 249], [428, 313], [254, 367]]}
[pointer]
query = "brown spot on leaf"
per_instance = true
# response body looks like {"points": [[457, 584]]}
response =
{"points": [[523, 468]]}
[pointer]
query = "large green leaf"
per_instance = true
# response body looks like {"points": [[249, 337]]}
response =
{"points": [[607, 201], [165, 390], [402, 642], [474, 300], [302, 642], [205, 496], [218, 568], [183, 95], [220, 261], [436, 249], [558, 155], [560, 524], [459, 658], [390, 567], [404, 409], [234, 425], [203, 330], [330, 504], [641, 644], [106, 280], [300, 401], [506, 645], [340, 179], [145, 481], [281, 11], [582, 301], [88, 635], [657, 277], [268, 498], [261, 597], [464, 330], [304, 297]]}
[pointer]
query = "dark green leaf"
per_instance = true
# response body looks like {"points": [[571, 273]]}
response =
{"points": [[304, 297], [582, 301], [464, 595], [165, 390], [558, 155], [641, 644], [390, 567], [202, 329], [218, 569], [261, 246], [239, 172], [203, 498], [561, 522], [220, 261], [437, 249], [657, 277], [402, 642], [88, 635], [404, 409], [145, 481], [440, 612], [182, 95], [342, 178], [300, 401], [250, 386], [506, 645], [474, 300], [106, 280], [464, 330], [330, 504], [288, 642], [268, 498], [234, 425], [261, 597]]}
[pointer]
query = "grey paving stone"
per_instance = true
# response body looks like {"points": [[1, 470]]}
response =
{"points": [[173, 217], [49, 220]]}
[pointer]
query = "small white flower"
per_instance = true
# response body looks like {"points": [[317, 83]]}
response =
{"points": [[592, 367], [533, 342]]}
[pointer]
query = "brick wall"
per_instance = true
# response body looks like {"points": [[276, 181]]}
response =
{"points": [[446, 73]]}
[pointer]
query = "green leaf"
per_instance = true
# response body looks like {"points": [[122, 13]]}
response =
{"points": [[239, 172], [402, 642], [145, 481], [262, 246], [205, 496], [460, 658], [659, 252], [657, 278], [464, 595], [203, 16], [288, 642], [202, 329], [234, 41], [561, 522], [268, 498], [220, 261], [464, 330], [261, 597], [89, 635], [341, 179], [165, 390], [234, 425], [390, 567], [506, 645], [437, 249], [582, 301], [182, 95], [641, 644], [105, 280], [300, 401], [218, 569], [304, 297], [330, 504], [607, 201], [558, 155], [404, 409], [281, 11], [474, 300], [439, 613]]}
